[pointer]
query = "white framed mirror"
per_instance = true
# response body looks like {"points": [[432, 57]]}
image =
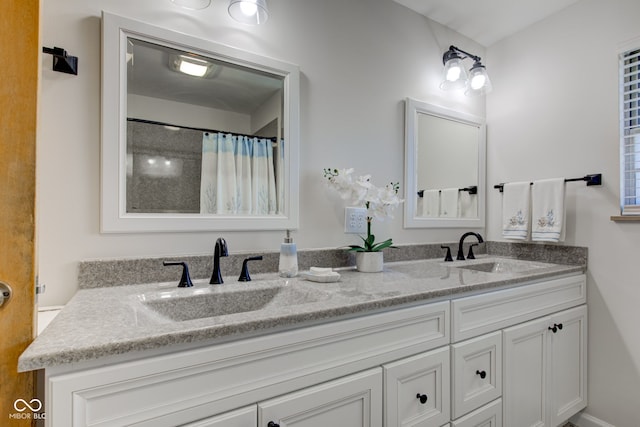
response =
{"points": [[215, 148], [445, 157]]}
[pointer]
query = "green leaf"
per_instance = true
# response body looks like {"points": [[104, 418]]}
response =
{"points": [[382, 245]]}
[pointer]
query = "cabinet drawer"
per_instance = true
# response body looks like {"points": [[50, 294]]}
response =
{"points": [[240, 418], [417, 390], [488, 312], [487, 416], [476, 373], [353, 401]]}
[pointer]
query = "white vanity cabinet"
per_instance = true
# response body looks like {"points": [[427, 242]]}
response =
{"points": [[545, 369], [279, 372], [543, 328], [490, 359]]}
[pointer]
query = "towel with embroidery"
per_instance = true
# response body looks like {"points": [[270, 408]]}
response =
{"points": [[515, 210], [548, 211]]}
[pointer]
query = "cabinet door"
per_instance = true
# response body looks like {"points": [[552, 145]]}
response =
{"points": [[476, 374], [353, 401], [245, 417], [526, 361], [417, 390], [568, 364]]}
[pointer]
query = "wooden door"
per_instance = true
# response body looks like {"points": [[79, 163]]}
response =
{"points": [[19, 46]]}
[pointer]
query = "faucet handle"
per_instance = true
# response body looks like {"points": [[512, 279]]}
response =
{"points": [[447, 257], [470, 253], [185, 280], [244, 274]]}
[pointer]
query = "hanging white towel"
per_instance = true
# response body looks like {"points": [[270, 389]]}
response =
{"points": [[431, 203], [467, 204], [449, 203], [547, 210], [515, 210]]}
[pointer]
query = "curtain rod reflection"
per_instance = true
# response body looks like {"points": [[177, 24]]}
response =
{"points": [[472, 190], [153, 122]]}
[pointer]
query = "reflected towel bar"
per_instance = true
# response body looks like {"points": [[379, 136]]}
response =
{"points": [[472, 190], [593, 179]]}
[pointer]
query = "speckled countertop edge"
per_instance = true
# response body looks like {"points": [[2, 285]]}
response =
{"points": [[106, 321]]}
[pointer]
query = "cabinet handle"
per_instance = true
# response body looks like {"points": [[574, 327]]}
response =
{"points": [[423, 398], [483, 374], [273, 424], [555, 327]]}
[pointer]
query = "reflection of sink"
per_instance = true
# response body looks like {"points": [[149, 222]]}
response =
{"points": [[201, 305], [503, 266]]}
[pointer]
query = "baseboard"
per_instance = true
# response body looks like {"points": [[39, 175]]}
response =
{"points": [[585, 420]]}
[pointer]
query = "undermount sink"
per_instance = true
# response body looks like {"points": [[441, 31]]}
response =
{"points": [[202, 303], [503, 266]]}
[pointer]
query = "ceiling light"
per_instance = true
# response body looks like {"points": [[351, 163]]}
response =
{"points": [[192, 66], [455, 76], [192, 4], [249, 11]]}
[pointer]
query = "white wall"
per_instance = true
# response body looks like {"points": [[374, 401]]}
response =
{"points": [[359, 59], [554, 112]]}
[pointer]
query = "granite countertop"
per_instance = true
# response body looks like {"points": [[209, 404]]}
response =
{"points": [[117, 320]]}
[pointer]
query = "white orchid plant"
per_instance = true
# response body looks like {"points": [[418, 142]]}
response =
{"points": [[380, 202]]}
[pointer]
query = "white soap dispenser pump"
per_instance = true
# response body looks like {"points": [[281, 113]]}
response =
{"points": [[288, 266]]}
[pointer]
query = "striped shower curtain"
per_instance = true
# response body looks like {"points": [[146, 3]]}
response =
{"points": [[238, 175]]}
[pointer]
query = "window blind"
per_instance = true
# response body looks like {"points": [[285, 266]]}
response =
{"points": [[630, 132]]}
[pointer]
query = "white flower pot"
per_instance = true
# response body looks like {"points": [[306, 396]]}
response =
{"points": [[369, 262]]}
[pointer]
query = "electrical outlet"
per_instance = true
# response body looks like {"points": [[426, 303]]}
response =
{"points": [[355, 220]]}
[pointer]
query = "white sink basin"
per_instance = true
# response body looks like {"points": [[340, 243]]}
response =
{"points": [[227, 299], [502, 266]]}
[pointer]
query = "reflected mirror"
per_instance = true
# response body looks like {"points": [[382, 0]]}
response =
{"points": [[196, 135], [444, 167]]}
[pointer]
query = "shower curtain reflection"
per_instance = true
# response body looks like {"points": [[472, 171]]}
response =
{"points": [[238, 175]]}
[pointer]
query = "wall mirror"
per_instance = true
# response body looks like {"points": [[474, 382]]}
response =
{"points": [[196, 136], [445, 152]]}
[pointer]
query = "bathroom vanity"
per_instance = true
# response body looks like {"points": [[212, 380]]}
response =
{"points": [[486, 342]]}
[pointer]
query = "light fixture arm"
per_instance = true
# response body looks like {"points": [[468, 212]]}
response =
{"points": [[453, 50]]}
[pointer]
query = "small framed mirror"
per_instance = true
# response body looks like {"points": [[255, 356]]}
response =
{"points": [[445, 152], [196, 136]]}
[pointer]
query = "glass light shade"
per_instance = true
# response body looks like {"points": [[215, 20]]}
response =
{"points": [[454, 75], [479, 83], [192, 4], [252, 12]]}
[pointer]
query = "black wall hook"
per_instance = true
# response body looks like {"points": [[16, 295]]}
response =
{"points": [[61, 61]]}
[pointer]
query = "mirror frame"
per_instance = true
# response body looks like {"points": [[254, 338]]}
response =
{"points": [[414, 107], [113, 216]]}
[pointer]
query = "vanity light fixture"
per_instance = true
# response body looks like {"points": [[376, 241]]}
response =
{"points": [[476, 83], [252, 12]]}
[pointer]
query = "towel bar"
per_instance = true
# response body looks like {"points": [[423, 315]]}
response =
{"points": [[593, 179]]}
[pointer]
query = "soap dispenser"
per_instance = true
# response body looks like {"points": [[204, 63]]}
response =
{"points": [[288, 266]]}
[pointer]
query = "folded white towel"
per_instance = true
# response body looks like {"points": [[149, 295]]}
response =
{"points": [[515, 210], [449, 203], [431, 203], [547, 210]]}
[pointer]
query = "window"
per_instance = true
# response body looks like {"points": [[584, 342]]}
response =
{"points": [[630, 132]]}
